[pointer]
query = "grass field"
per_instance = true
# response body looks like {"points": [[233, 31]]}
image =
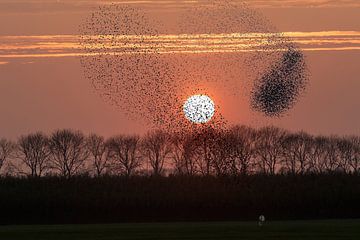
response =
{"points": [[328, 229]]}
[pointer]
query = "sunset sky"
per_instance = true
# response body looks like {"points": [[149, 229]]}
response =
{"points": [[43, 88]]}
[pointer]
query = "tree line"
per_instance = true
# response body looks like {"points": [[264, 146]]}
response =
{"points": [[205, 151]]}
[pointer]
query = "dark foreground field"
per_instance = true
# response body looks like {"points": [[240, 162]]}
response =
{"points": [[328, 229], [86, 200]]}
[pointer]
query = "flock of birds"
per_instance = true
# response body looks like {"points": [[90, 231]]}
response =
{"points": [[127, 66]]}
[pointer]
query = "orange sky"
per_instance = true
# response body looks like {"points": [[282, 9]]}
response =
{"points": [[42, 86]]}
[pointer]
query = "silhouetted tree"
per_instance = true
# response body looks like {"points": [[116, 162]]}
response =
{"points": [[349, 153], [355, 162], [243, 148], [34, 153], [317, 154], [296, 150], [6, 149], [203, 149], [221, 153], [69, 152], [123, 152], [156, 148], [183, 148], [97, 150], [204, 140], [331, 158], [269, 148]]}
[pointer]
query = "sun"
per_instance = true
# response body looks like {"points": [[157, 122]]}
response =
{"points": [[199, 108]]}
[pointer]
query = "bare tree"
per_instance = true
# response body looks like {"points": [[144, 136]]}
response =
{"points": [[331, 161], [349, 153], [156, 148], [34, 153], [6, 149], [204, 140], [182, 154], [123, 151], [243, 149], [97, 150], [221, 153], [69, 152], [296, 150], [355, 160], [269, 148], [317, 154]]}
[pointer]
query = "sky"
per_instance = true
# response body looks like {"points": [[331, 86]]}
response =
{"points": [[43, 87]]}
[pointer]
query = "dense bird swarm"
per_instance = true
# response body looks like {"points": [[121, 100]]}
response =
{"points": [[278, 89], [148, 70]]}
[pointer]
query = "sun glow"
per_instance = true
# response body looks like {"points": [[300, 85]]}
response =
{"points": [[199, 108]]}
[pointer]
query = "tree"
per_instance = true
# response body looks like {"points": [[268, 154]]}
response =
{"points": [[243, 148], [331, 159], [183, 149], [349, 151], [69, 152], [123, 151], [317, 154], [6, 149], [34, 152], [296, 150], [269, 148], [204, 141], [156, 148], [97, 150], [221, 154]]}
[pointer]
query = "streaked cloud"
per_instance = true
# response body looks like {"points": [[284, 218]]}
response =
{"points": [[49, 6], [69, 46], [304, 3]]}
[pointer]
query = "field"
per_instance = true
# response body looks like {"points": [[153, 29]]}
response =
{"points": [[327, 229]]}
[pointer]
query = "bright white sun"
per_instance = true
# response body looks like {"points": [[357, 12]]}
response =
{"points": [[199, 109]]}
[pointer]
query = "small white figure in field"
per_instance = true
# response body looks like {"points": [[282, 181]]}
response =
{"points": [[261, 220]]}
